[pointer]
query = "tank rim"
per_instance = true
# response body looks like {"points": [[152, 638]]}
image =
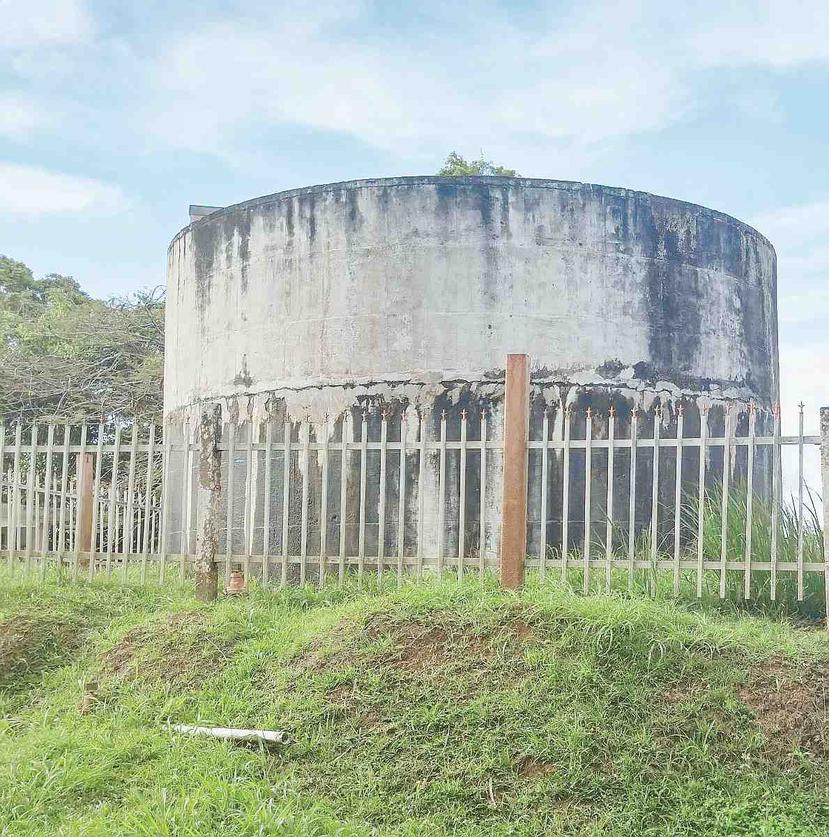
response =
{"points": [[469, 180]]}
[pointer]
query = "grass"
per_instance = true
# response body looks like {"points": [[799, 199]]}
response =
{"points": [[436, 709]]}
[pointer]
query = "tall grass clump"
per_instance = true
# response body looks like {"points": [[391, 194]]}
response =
{"points": [[658, 581], [785, 602]]}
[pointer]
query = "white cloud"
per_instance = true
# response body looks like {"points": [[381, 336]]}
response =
{"points": [[794, 226], [557, 84], [18, 117], [764, 33], [30, 23], [582, 75], [33, 191]]}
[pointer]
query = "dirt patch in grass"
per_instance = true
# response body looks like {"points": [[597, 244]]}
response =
{"points": [[180, 650], [682, 691], [789, 701], [417, 647], [346, 702], [31, 644], [529, 767]]}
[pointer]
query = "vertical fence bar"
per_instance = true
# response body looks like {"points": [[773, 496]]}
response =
{"points": [[657, 430], [130, 509], [113, 500], [187, 516], [266, 509], [800, 504], [30, 498], [10, 520], [680, 433], [154, 544], [61, 544], [545, 435], [401, 498], [703, 455], [632, 499], [14, 535], [588, 479], [323, 459], [343, 493], [73, 522], [250, 500], [186, 500], [608, 546], [72, 514], [88, 539], [254, 491], [462, 499], [139, 518], [55, 518], [305, 434], [36, 526], [775, 501], [482, 513], [441, 492], [146, 545], [361, 538], [565, 491], [119, 522], [286, 497], [381, 500], [752, 416], [421, 496], [231, 467], [164, 523], [726, 475], [47, 497], [824, 473], [514, 499], [99, 530]]}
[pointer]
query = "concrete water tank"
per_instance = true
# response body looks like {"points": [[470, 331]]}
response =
{"points": [[407, 293]]}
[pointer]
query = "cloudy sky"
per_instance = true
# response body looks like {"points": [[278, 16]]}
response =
{"points": [[114, 116]]}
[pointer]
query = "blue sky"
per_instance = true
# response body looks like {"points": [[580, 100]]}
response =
{"points": [[114, 116]]}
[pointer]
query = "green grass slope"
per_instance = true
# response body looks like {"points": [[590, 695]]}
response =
{"points": [[439, 709]]}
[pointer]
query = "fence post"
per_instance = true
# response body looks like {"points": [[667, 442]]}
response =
{"points": [[514, 499], [208, 504], [86, 471], [824, 472]]}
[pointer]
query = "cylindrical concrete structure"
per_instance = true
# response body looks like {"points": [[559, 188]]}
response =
{"points": [[420, 280], [408, 293]]}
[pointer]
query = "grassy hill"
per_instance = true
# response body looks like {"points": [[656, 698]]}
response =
{"points": [[439, 709]]}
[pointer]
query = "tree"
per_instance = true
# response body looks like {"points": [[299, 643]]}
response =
{"points": [[68, 357], [457, 166]]}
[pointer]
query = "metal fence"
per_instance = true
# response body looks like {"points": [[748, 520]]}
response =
{"points": [[682, 493], [67, 498], [402, 493]]}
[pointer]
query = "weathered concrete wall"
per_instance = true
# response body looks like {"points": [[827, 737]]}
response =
{"points": [[428, 279], [409, 293]]}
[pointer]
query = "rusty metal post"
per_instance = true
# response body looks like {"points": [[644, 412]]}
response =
{"points": [[514, 499], [86, 502], [824, 472], [208, 504]]}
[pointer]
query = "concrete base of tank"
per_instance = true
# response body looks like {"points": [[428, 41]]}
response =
{"points": [[432, 521]]}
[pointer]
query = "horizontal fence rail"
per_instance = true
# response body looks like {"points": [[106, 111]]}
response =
{"points": [[392, 493]]}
